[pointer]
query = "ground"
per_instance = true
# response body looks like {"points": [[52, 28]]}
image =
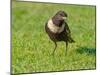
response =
{"points": [[32, 48]]}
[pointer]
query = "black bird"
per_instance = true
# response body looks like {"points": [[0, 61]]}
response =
{"points": [[58, 29]]}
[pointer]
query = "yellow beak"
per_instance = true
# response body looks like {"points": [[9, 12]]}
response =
{"points": [[64, 18]]}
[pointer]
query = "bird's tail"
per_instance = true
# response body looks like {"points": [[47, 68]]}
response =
{"points": [[70, 40]]}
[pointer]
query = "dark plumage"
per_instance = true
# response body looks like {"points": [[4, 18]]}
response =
{"points": [[58, 29]]}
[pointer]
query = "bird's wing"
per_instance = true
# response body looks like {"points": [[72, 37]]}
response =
{"points": [[68, 33], [67, 28]]}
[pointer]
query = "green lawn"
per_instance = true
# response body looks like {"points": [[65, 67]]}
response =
{"points": [[32, 48]]}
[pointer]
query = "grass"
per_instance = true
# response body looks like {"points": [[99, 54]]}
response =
{"points": [[32, 48]]}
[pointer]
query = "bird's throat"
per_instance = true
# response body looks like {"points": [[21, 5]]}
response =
{"points": [[54, 28]]}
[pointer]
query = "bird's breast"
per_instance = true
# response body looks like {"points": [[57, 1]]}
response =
{"points": [[53, 28]]}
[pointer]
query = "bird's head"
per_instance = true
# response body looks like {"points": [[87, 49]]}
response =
{"points": [[59, 18], [61, 15]]}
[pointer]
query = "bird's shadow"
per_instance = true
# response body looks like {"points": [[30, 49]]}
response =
{"points": [[87, 50]]}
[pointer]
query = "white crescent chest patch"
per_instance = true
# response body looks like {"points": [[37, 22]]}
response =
{"points": [[53, 28]]}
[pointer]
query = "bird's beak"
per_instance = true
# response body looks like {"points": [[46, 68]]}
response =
{"points": [[64, 18]]}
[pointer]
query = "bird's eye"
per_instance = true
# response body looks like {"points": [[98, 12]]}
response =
{"points": [[61, 14]]}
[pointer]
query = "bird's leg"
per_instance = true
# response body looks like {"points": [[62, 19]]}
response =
{"points": [[66, 48], [54, 48]]}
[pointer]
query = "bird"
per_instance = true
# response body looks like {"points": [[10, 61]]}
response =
{"points": [[58, 30]]}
